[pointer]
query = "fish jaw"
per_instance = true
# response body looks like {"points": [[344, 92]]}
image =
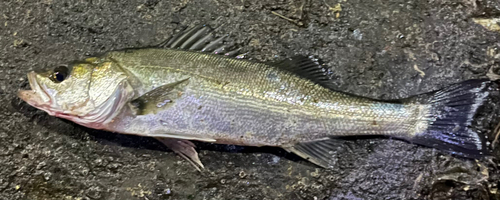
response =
{"points": [[31, 97], [36, 97]]}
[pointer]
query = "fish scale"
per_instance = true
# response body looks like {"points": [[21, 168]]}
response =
{"points": [[175, 92], [218, 82]]}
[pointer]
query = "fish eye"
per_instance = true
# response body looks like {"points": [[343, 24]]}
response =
{"points": [[60, 74]]}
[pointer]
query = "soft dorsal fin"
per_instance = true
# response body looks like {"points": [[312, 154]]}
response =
{"points": [[309, 68], [201, 38]]}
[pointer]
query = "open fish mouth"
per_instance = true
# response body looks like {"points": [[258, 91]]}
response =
{"points": [[36, 97]]}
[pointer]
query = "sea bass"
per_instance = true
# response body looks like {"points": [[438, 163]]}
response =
{"points": [[185, 90]]}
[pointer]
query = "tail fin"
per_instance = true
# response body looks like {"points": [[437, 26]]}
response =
{"points": [[451, 116]]}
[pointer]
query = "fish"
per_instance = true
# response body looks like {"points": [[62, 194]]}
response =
{"points": [[194, 87]]}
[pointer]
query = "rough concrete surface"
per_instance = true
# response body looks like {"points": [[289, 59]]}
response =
{"points": [[377, 48]]}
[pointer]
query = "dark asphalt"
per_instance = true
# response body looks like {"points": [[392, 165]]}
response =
{"points": [[377, 48]]}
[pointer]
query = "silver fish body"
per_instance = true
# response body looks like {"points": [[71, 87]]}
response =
{"points": [[177, 93], [234, 101]]}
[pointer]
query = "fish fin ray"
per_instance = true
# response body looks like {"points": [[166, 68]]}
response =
{"points": [[213, 45], [308, 68], [449, 124], [184, 148], [201, 38], [320, 152], [159, 98], [198, 35], [198, 45], [178, 40]]}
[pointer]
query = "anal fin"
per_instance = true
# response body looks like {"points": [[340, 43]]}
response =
{"points": [[320, 152], [185, 149]]}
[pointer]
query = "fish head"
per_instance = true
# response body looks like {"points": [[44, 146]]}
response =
{"points": [[90, 94]]}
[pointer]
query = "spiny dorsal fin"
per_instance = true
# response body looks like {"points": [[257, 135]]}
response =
{"points": [[201, 38], [309, 68]]}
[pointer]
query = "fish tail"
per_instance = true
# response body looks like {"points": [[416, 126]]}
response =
{"points": [[450, 118], [446, 121]]}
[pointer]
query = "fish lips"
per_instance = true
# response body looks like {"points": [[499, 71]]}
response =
{"points": [[36, 97]]}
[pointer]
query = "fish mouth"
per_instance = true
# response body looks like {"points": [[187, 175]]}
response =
{"points": [[36, 97]]}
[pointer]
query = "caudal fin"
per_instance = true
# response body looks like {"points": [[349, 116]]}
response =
{"points": [[450, 118]]}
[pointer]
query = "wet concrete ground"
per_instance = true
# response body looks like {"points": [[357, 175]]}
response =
{"points": [[377, 48]]}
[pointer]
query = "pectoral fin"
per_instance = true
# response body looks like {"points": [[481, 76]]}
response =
{"points": [[320, 152], [185, 149], [159, 98]]}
